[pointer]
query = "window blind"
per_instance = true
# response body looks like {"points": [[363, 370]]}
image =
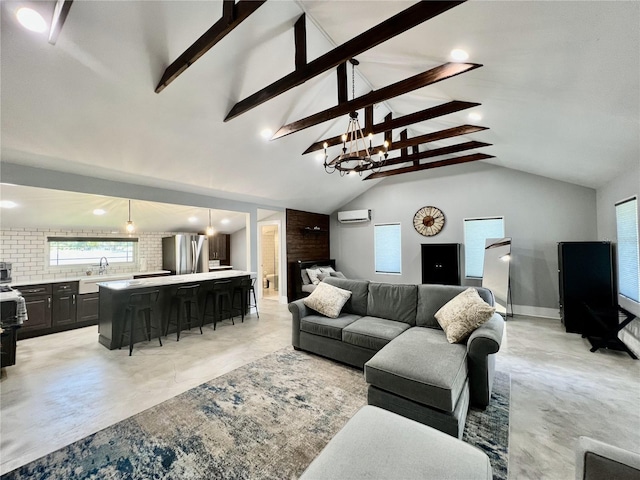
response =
{"points": [[476, 231], [387, 248], [627, 247]]}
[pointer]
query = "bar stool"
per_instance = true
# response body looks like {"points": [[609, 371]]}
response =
{"points": [[244, 288], [139, 308], [255, 302], [186, 303], [220, 291]]}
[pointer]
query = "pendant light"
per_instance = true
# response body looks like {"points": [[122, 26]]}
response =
{"points": [[209, 231], [130, 226]]}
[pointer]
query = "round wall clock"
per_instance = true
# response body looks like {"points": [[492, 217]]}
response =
{"points": [[428, 221]]}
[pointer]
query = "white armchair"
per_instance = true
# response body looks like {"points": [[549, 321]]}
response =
{"points": [[598, 461]]}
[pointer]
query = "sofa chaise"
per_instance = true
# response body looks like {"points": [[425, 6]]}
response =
{"points": [[390, 331]]}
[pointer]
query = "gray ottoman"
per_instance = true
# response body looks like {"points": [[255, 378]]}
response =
{"points": [[376, 443], [421, 376]]}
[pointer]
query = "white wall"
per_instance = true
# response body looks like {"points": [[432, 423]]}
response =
{"points": [[538, 212], [239, 249], [621, 187]]}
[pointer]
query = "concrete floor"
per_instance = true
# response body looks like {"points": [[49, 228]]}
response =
{"points": [[67, 386]]}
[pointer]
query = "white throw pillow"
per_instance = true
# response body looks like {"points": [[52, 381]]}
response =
{"points": [[313, 275], [327, 300], [461, 315]]}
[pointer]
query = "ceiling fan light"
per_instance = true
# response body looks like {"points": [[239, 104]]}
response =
{"points": [[31, 20]]}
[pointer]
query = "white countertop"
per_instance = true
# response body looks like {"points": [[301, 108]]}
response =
{"points": [[172, 280], [83, 277]]}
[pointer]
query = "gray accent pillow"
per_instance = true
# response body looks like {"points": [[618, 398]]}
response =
{"points": [[338, 274], [393, 302], [327, 300], [463, 314]]}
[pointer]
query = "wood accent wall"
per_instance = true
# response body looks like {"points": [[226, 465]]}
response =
{"points": [[303, 242]]}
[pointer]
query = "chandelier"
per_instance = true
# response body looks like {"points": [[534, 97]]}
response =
{"points": [[356, 156]]}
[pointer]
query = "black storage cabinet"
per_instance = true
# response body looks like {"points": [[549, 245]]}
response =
{"points": [[441, 263], [586, 277]]}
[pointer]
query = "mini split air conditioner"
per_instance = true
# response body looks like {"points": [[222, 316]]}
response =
{"points": [[354, 216]]}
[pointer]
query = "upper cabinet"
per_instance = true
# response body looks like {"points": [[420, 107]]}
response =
{"points": [[219, 248]]}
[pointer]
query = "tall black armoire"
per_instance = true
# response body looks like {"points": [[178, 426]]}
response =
{"points": [[586, 278], [441, 263]]}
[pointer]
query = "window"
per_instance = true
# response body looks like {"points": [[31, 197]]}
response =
{"points": [[476, 231], [628, 256], [387, 248], [88, 251]]}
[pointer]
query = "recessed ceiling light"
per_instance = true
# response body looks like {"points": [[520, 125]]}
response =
{"points": [[8, 204], [193, 219], [267, 133], [224, 221], [99, 211], [31, 20], [459, 55], [475, 116]]}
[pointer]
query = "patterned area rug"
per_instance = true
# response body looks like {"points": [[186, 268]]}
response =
{"points": [[266, 420]]}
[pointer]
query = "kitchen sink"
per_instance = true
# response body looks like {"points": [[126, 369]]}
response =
{"points": [[90, 283]]}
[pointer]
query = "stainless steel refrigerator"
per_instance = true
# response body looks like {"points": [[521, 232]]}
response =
{"points": [[185, 254]]}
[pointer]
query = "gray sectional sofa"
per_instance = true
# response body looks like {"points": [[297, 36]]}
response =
{"points": [[390, 331]]}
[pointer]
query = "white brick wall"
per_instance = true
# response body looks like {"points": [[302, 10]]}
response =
{"points": [[27, 251]]}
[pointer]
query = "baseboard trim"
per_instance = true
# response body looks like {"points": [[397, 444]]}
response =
{"points": [[532, 311]]}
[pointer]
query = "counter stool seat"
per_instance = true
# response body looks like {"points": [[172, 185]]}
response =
{"points": [[139, 309], [242, 289], [186, 302]]}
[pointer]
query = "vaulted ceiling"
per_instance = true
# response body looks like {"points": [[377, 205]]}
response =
{"points": [[559, 90]]}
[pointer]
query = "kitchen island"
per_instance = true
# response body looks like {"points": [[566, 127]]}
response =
{"points": [[114, 297]]}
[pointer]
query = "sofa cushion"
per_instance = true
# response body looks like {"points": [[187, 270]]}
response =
{"points": [[327, 327], [421, 365], [432, 298], [359, 289], [393, 302], [327, 299], [463, 314], [372, 332]]}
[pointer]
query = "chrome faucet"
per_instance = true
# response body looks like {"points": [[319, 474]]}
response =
{"points": [[103, 266]]}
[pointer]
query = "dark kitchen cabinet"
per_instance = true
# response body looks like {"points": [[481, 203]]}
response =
{"points": [[38, 301], [64, 303], [441, 263], [219, 248], [88, 307]]}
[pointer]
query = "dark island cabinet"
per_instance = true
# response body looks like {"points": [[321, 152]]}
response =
{"points": [[64, 303]]}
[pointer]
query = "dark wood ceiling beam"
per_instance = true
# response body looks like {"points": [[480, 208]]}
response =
{"points": [[342, 83], [233, 14], [389, 123], [432, 137], [300, 37], [436, 152], [399, 23], [474, 157], [60, 12], [434, 75], [416, 156]]}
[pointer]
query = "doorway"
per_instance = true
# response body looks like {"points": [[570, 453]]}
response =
{"points": [[270, 261]]}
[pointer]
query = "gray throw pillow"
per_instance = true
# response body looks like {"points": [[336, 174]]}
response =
{"points": [[338, 274]]}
